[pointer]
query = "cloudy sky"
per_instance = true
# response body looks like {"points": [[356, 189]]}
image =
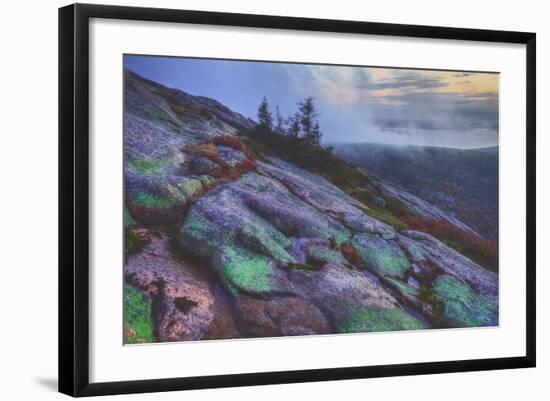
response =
{"points": [[357, 104]]}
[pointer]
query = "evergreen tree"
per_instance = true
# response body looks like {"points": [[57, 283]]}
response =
{"points": [[264, 115], [293, 123], [315, 137], [279, 122], [308, 121]]}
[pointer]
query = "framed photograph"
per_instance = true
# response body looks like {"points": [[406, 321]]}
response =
{"points": [[249, 199]]}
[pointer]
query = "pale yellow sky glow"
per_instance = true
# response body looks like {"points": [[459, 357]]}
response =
{"points": [[387, 85], [455, 82]]}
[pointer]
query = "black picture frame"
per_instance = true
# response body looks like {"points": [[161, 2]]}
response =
{"points": [[74, 198]]}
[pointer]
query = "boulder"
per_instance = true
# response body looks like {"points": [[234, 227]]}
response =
{"points": [[156, 200], [462, 306], [183, 303], [324, 196], [223, 325], [279, 316], [258, 214], [342, 294]]}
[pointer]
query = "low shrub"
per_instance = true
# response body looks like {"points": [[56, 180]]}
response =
{"points": [[134, 241], [231, 142], [482, 251]]}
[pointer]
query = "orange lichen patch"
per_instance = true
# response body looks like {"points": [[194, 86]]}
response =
{"points": [[203, 149], [352, 255], [226, 171], [480, 250]]}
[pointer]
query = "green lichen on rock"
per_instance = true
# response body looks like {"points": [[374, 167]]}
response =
{"points": [[374, 320], [189, 188], [319, 254], [245, 270], [263, 238], [149, 165], [195, 235], [195, 225], [218, 221], [156, 200], [138, 325], [383, 256], [462, 306], [152, 201]]}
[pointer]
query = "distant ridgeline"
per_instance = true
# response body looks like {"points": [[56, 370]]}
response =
{"points": [[463, 183], [236, 228]]}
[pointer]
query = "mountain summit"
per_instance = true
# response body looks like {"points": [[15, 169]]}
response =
{"points": [[229, 234]]}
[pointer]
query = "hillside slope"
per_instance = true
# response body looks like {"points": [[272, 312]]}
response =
{"points": [[464, 183], [227, 237]]}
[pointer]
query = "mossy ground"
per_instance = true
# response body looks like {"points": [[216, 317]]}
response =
{"points": [[427, 294], [386, 217], [138, 325], [385, 214], [376, 320], [133, 243]]}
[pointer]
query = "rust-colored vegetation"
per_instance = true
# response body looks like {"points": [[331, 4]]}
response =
{"points": [[231, 142], [227, 172], [480, 250], [352, 255]]}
